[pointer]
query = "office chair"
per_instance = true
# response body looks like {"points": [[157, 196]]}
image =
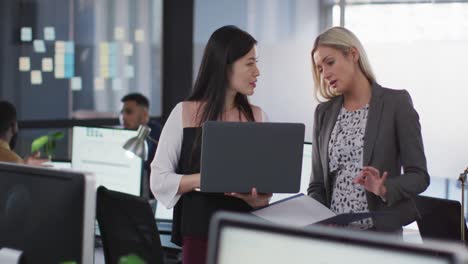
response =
{"points": [[440, 218], [127, 227]]}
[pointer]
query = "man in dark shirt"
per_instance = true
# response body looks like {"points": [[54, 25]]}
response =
{"points": [[135, 112]]}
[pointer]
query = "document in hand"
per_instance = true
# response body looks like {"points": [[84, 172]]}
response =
{"points": [[301, 210]]}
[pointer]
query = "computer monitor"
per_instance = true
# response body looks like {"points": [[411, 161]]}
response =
{"points": [[47, 214], [236, 238], [305, 173], [100, 151]]}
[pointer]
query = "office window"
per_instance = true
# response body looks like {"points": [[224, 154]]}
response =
{"points": [[421, 47], [285, 30]]}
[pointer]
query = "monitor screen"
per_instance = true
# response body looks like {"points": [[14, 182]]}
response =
{"points": [[100, 151], [47, 214], [305, 173], [236, 241]]}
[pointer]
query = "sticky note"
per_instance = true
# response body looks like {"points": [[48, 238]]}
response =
{"points": [[69, 58], [104, 72], [26, 34], [99, 84], [36, 77], [116, 84], [139, 35], [76, 84], [104, 48], [49, 33], [69, 47], [60, 47], [129, 71], [113, 49], [128, 49], [24, 64], [47, 65], [59, 71], [39, 46], [119, 33], [59, 59], [69, 71], [104, 60]]}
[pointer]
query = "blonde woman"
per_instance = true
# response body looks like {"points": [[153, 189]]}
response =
{"points": [[364, 134]]}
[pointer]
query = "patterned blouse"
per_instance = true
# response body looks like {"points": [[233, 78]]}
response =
{"points": [[345, 152]]}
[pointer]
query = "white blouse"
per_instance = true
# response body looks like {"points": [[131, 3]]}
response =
{"points": [[164, 181]]}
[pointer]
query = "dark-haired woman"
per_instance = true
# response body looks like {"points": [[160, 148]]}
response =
{"points": [[227, 75]]}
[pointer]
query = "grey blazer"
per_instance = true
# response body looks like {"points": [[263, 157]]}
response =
{"points": [[392, 141]]}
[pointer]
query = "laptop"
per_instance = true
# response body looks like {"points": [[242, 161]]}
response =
{"points": [[440, 218], [239, 238], [237, 156]]}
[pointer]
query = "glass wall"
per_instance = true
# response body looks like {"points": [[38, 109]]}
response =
{"points": [[67, 59], [87, 53], [421, 47], [285, 30]]}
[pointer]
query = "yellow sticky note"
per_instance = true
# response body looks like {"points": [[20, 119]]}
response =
{"points": [[47, 65], [104, 59], [36, 77], [119, 33], [139, 35], [105, 72], [128, 49], [24, 64], [104, 48], [59, 59], [99, 84], [59, 71], [60, 47]]}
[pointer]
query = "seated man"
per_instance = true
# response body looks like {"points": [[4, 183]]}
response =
{"points": [[8, 136], [135, 112]]}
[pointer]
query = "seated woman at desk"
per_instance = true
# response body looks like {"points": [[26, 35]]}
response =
{"points": [[228, 74], [363, 135]]}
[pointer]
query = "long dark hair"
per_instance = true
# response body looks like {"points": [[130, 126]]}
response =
{"points": [[226, 45]]}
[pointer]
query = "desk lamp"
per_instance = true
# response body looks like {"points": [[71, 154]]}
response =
{"points": [[137, 146]]}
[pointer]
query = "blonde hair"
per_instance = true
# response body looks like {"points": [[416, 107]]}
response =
{"points": [[343, 40]]}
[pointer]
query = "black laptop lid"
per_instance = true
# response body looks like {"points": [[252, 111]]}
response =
{"points": [[237, 156]]}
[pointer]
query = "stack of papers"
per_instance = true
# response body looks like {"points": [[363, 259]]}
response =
{"points": [[301, 210]]}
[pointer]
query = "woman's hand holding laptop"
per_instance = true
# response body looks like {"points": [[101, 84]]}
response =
{"points": [[253, 198]]}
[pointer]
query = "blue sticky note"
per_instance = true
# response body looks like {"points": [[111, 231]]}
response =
{"points": [[113, 48], [39, 46], [113, 72], [69, 47], [113, 66], [49, 33], [69, 71], [69, 58], [26, 34]]}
